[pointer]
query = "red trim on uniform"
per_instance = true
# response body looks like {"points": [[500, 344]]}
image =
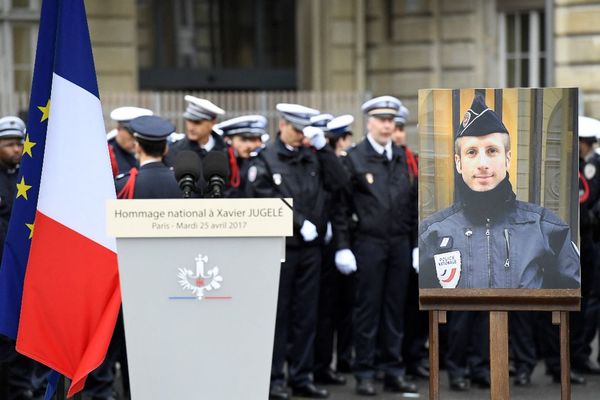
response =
{"points": [[114, 165], [586, 189], [411, 162], [234, 181], [129, 188]]}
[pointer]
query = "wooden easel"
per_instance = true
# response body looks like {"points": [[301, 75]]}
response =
{"points": [[498, 302]]}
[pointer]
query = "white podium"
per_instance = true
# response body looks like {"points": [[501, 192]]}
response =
{"points": [[199, 283]]}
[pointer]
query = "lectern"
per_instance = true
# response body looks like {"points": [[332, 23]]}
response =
{"points": [[199, 282]]}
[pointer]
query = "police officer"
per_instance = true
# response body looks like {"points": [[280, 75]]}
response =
{"points": [[339, 133], [589, 196], [243, 136], [121, 144], [414, 350], [15, 368], [287, 168], [487, 221], [200, 118], [153, 180], [379, 198], [336, 299]]}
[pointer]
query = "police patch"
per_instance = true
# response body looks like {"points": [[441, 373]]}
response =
{"points": [[589, 171], [466, 119], [277, 179], [369, 178], [447, 268], [252, 171]]}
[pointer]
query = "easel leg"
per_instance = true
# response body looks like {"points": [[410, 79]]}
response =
{"points": [[499, 355], [562, 318], [435, 318]]}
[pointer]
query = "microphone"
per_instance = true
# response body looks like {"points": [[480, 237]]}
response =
{"points": [[216, 172], [188, 169]]}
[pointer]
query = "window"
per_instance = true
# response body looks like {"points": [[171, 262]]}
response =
{"points": [[19, 21], [217, 44], [522, 48]]}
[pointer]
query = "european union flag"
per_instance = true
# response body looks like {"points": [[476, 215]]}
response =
{"points": [[21, 226]]}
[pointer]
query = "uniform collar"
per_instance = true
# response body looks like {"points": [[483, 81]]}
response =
{"points": [[210, 144], [150, 162], [381, 149]]}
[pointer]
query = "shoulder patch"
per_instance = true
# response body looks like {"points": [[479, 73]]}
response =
{"points": [[252, 172]]}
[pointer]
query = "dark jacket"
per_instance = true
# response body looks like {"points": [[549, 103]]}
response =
{"points": [[186, 144], [8, 190], [303, 175], [379, 199], [125, 160], [514, 245], [589, 210], [153, 181]]}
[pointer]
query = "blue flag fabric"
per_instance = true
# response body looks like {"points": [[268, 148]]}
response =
{"points": [[21, 226]]}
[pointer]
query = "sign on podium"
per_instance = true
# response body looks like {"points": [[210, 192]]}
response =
{"points": [[199, 283]]}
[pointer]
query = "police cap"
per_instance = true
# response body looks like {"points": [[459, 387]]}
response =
{"points": [[201, 109], [340, 126], [299, 116], [126, 114], [321, 121], [402, 116], [480, 120], [151, 127], [246, 126], [382, 106], [589, 128], [12, 128]]}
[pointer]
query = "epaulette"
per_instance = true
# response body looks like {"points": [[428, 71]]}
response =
{"points": [[256, 152], [175, 137], [121, 176], [438, 217], [545, 214]]}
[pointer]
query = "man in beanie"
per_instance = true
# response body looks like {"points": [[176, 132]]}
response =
{"points": [[479, 242]]}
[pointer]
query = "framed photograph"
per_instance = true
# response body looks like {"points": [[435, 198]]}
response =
{"points": [[498, 196]]}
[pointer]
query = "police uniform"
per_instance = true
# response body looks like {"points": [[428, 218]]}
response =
{"points": [[303, 174], [154, 180], [198, 110], [249, 126], [488, 239], [523, 245], [378, 199], [123, 158], [589, 194], [17, 370], [337, 289]]}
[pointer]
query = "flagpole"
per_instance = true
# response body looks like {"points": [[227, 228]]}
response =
{"points": [[62, 388]]}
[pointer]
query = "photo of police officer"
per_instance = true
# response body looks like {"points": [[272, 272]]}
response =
{"points": [[488, 238]]}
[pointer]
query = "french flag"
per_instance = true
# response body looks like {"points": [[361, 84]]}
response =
{"points": [[71, 293]]}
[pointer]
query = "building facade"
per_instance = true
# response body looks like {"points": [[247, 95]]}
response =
{"points": [[363, 46]]}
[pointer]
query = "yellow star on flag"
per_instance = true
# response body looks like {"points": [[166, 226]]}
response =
{"points": [[22, 188], [45, 111], [30, 226], [27, 146]]}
